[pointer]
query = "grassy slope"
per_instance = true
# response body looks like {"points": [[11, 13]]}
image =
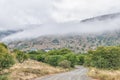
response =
{"points": [[31, 69], [98, 74]]}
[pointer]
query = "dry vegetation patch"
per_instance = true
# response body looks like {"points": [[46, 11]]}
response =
{"points": [[99, 74], [32, 69]]}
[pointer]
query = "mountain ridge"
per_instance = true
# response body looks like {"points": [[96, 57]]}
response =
{"points": [[102, 17]]}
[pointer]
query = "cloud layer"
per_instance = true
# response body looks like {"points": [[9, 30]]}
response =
{"points": [[19, 12], [65, 28]]}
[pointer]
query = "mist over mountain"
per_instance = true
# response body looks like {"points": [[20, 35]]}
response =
{"points": [[96, 24], [102, 17]]}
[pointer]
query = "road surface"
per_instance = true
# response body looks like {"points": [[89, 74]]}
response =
{"points": [[78, 74]]}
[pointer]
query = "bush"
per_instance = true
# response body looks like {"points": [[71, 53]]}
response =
{"points": [[21, 56], [41, 58], [80, 58], [87, 60], [33, 56], [6, 60], [59, 52], [72, 58], [65, 64], [36, 55], [105, 58], [3, 48], [54, 59]]}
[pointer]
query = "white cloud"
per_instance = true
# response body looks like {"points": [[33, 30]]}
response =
{"points": [[18, 12], [65, 28], [80, 9]]}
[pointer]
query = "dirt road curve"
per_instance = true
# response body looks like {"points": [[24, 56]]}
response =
{"points": [[79, 74]]}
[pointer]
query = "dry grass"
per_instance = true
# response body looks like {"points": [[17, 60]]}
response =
{"points": [[98, 74], [31, 69]]}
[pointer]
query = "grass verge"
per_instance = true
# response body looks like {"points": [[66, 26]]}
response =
{"points": [[98, 74], [31, 69]]}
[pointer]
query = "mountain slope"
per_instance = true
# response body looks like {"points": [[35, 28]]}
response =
{"points": [[102, 17], [75, 42]]}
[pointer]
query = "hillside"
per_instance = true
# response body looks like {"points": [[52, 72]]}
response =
{"points": [[77, 43]]}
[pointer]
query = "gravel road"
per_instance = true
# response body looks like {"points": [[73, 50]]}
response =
{"points": [[78, 74]]}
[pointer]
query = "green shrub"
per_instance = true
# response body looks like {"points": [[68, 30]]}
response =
{"points": [[87, 60], [105, 58], [80, 58], [72, 58], [59, 52], [6, 60], [65, 64], [54, 59], [41, 58], [21, 56], [3, 48], [35, 55]]}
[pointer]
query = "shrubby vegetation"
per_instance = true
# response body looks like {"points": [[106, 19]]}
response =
{"points": [[20, 56], [58, 57], [7, 59], [65, 64], [54, 59], [104, 58]]}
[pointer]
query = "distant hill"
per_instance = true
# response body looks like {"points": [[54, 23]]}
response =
{"points": [[77, 43], [102, 17], [7, 33]]}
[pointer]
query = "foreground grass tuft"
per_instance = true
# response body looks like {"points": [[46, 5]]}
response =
{"points": [[99, 74]]}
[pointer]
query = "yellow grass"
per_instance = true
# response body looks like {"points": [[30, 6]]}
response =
{"points": [[98, 74], [31, 69]]}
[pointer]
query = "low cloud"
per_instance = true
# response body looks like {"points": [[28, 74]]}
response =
{"points": [[76, 27]]}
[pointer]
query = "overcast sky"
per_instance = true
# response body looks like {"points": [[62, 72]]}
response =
{"points": [[23, 12], [19, 12]]}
